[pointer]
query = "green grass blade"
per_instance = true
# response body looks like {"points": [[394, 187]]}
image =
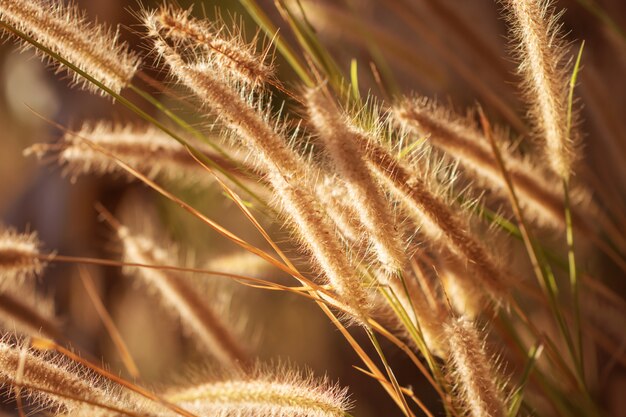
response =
{"points": [[518, 395]]}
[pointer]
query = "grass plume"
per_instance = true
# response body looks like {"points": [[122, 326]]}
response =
{"points": [[266, 393], [65, 30], [542, 54], [19, 256]]}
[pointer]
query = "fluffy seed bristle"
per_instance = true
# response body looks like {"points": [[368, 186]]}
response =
{"points": [[19, 256], [131, 144], [65, 30], [440, 223], [458, 137], [333, 195], [286, 174], [369, 203], [225, 49], [57, 383], [471, 369], [541, 52], [279, 394]]}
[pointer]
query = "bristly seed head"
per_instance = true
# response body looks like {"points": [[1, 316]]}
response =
{"points": [[475, 378], [54, 381], [459, 137], [19, 255], [93, 48], [131, 144], [280, 393], [342, 144], [211, 42], [200, 319], [285, 169], [545, 70]]}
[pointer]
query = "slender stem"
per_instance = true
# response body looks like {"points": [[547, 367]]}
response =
{"points": [[541, 267]]}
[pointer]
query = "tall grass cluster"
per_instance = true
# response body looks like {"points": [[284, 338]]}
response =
{"points": [[464, 242]]}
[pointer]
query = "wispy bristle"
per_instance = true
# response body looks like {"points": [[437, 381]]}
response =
{"points": [[54, 382], [542, 198], [224, 48], [282, 393], [470, 366], [369, 203], [286, 172], [333, 195], [65, 30], [444, 225], [541, 51], [131, 144], [19, 255]]}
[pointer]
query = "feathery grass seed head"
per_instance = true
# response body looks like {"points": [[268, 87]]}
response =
{"points": [[342, 144], [475, 378], [275, 393], [131, 144], [458, 137], [285, 171], [213, 41], [19, 256], [542, 54], [55, 382], [65, 30], [197, 317]]}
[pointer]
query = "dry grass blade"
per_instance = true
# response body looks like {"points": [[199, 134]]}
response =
{"points": [[108, 323]]}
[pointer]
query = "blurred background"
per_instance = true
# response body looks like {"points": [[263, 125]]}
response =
{"points": [[452, 50]]}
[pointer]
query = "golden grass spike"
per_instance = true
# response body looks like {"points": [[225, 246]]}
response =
{"points": [[19, 256], [27, 312], [58, 383], [473, 373], [224, 48], [441, 224], [460, 138], [333, 195], [372, 209], [276, 393], [65, 30], [541, 51], [423, 315], [131, 143], [286, 173]]}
